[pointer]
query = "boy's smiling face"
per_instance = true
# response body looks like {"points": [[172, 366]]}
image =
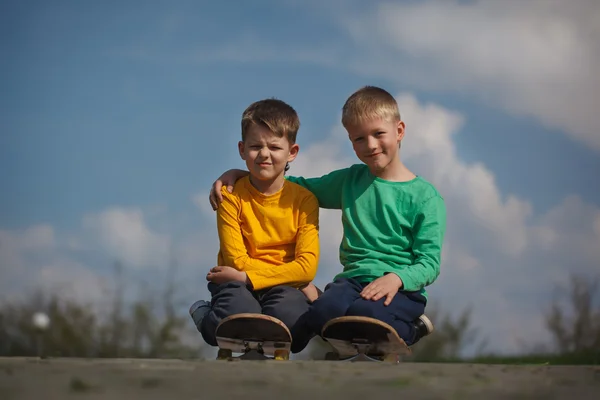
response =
{"points": [[266, 155], [376, 141]]}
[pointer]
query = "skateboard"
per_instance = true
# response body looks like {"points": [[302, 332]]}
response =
{"points": [[357, 338], [256, 336]]}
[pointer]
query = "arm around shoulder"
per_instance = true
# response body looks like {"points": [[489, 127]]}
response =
{"points": [[327, 188], [227, 179]]}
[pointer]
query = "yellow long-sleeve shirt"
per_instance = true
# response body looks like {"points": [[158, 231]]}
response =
{"points": [[273, 238]]}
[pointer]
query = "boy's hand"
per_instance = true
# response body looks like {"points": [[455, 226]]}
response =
{"points": [[310, 291], [386, 286], [228, 179], [222, 274]]}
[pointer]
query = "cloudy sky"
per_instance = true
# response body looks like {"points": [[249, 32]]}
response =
{"points": [[116, 117]]}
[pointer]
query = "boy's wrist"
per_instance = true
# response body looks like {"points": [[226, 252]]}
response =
{"points": [[400, 282], [398, 279]]}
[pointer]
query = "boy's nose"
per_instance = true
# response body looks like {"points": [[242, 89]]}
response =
{"points": [[372, 143]]}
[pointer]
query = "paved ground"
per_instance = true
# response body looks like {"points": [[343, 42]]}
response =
{"points": [[174, 379]]}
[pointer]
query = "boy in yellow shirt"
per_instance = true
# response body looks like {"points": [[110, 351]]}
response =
{"points": [[268, 230]]}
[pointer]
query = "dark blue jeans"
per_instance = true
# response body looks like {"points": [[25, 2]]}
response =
{"points": [[342, 297], [285, 303]]}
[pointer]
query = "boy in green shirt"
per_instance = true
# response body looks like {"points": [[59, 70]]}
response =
{"points": [[394, 224]]}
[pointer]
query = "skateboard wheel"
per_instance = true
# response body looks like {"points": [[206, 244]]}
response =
{"points": [[281, 355], [392, 358], [224, 354]]}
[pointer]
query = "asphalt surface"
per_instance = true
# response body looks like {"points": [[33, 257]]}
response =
{"points": [[116, 379]]}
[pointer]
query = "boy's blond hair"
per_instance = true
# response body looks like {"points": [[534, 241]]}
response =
{"points": [[276, 115], [367, 103]]}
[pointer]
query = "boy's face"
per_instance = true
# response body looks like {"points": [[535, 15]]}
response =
{"points": [[266, 155], [376, 142]]}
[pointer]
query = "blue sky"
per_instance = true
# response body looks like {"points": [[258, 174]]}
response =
{"points": [[115, 116]]}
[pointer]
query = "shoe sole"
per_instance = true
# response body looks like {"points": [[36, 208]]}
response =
{"points": [[427, 322]]}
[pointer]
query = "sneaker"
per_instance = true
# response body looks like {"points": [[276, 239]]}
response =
{"points": [[423, 326], [198, 311]]}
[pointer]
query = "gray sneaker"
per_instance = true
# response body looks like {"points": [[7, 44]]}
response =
{"points": [[198, 311]]}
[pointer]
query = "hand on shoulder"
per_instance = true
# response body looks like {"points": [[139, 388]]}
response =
{"points": [[227, 180]]}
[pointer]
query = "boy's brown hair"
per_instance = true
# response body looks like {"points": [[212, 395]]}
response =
{"points": [[367, 103], [276, 115]]}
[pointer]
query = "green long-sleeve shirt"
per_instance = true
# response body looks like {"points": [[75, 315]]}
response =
{"points": [[395, 227]]}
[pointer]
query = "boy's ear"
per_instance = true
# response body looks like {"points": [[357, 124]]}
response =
{"points": [[241, 150], [401, 128], [293, 152]]}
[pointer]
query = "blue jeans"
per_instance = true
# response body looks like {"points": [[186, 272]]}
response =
{"points": [[285, 303], [342, 297]]}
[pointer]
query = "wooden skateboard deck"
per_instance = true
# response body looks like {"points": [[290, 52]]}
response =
{"points": [[256, 336], [364, 339]]}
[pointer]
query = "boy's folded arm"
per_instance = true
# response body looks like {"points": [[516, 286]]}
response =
{"points": [[263, 274], [327, 188], [303, 269], [299, 272], [428, 235]]}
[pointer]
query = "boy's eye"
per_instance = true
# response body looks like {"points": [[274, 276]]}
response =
{"points": [[379, 133]]}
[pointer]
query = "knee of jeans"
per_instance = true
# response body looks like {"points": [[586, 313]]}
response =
{"points": [[289, 307], [214, 287], [285, 290], [361, 309], [337, 282]]}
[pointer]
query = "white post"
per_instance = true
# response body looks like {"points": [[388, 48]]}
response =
{"points": [[40, 323]]}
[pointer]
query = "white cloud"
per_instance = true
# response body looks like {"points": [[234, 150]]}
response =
{"points": [[322, 157], [34, 238], [201, 201], [72, 280], [468, 189], [569, 233], [199, 249], [17, 248], [538, 58], [125, 235], [34, 259]]}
